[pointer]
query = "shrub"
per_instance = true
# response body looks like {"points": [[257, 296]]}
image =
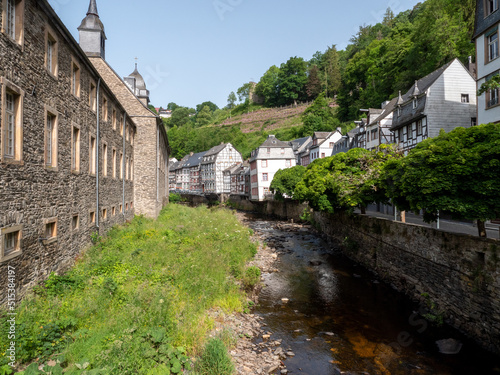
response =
{"points": [[215, 359], [175, 198], [251, 277]]}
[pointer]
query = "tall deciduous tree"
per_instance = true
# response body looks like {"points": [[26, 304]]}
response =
{"points": [[244, 92], [332, 71], [313, 86], [292, 79], [458, 172], [267, 88], [285, 181], [231, 100], [204, 117], [212, 106]]}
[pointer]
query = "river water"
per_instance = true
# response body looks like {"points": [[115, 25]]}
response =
{"points": [[341, 320]]}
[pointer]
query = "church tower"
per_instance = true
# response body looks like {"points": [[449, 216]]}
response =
{"points": [[92, 36], [136, 83]]}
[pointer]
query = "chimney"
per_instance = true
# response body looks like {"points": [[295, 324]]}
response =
{"points": [[339, 129], [472, 68]]}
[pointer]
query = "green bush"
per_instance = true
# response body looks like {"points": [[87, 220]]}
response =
{"points": [[175, 198], [215, 359], [251, 277]]}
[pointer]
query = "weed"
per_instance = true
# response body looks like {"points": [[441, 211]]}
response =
{"points": [[215, 359], [251, 277]]}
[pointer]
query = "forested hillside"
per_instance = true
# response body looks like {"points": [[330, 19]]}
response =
{"points": [[380, 60]]}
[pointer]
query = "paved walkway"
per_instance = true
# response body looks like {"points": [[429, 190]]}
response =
{"points": [[492, 230]]}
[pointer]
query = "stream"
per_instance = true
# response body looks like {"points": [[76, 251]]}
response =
{"points": [[339, 319]]}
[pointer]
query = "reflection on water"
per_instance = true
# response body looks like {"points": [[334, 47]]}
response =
{"points": [[340, 319]]}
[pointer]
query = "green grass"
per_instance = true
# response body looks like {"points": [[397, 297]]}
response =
{"points": [[136, 302]]}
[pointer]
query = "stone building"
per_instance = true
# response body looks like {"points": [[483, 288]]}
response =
{"points": [[67, 160], [151, 159]]}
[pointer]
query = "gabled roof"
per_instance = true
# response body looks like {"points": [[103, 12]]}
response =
{"points": [[233, 168], [216, 149], [321, 135], [386, 111], [272, 141], [194, 160], [484, 23]]}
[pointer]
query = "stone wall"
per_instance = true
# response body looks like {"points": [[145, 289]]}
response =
{"points": [[33, 194], [459, 274]]}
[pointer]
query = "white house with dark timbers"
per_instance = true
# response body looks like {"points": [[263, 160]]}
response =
{"points": [[486, 37], [214, 163], [379, 123], [444, 99], [266, 160], [322, 144]]}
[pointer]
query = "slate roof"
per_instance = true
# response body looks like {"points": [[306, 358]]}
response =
{"points": [[194, 160], [216, 149], [321, 135], [272, 141], [385, 111], [483, 24]]}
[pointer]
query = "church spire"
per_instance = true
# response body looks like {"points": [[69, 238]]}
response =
{"points": [[93, 8]]}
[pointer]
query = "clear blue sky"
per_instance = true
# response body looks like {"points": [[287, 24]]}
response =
{"points": [[193, 51]]}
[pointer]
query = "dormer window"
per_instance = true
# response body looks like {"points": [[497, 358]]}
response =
{"points": [[415, 103], [399, 111], [491, 6]]}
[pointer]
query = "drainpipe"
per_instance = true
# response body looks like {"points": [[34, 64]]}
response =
{"points": [[98, 145], [157, 163], [124, 165]]}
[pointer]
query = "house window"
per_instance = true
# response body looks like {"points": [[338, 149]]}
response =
{"points": [[492, 98], [263, 164], [92, 155], [473, 121], [12, 134], [288, 163], [75, 79], [131, 169], [92, 217], [121, 166], [113, 210], [282, 150], [400, 134], [13, 19], [121, 126], [10, 246], [399, 111], [51, 140], [265, 177], [105, 111], [126, 206], [104, 214], [465, 98], [92, 96], [322, 155], [51, 53], [113, 118], [415, 103], [374, 134], [491, 6], [51, 229], [104, 159], [75, 150], [268, 150], [114, 162], [331, 144], [121, 208], [127, 168], [419, 127], [75, 222], [492, 44]]}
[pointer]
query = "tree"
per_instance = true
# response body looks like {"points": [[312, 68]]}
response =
{"points": [[180, 117], [292, 79], [212, 106], [267, 88], [313, 86], [457, 172], [332, 71], [318, 117], [345, 181], [204, 117], [172, 106], [152, 108], [244, 92], [285, 180], [231, 100]]}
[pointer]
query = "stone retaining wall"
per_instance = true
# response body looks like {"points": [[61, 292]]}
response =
{"points": [[458, 274]]}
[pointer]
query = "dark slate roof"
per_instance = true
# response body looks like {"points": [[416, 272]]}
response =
{"points": [[300, 141], [483, 24], [216, 149], [194, 160], [386, 111], [272, 141], [321, 135], [173, 166]]}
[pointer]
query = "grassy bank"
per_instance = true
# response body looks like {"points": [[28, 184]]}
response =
{"points": [[136, 302]]}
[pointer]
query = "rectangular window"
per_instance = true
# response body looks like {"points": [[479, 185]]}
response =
{"points": [[265, 177], [492, 41], [10, 245], [75, 79], [126, 206], [13, 19], [75, 222], [415, 103], [419, 127], [282, 150], [400, 134], [105, 109], [473, 121], [121, 166], [492, 98], [288, 163], [12, 134], [51, 140], [263, 164], [51, 53], [92, 96], [268, 150], [51, 229], [92, 217], [104, 159], [75, 150], [113, 211], [331, 144], [127, 168], [322, 155], [491, 6], [92, 155], [104, 214], [121, 208], [465, 98], [131, 170], [114, 163], [121, 126], [113, 118]]}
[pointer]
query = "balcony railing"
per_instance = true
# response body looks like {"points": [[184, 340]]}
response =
{"points": [[493, 102]]}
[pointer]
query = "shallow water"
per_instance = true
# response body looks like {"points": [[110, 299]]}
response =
{"points": [[341, 319]]}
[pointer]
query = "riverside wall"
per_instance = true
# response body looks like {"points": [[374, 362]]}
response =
{"points": [[458, 275]]}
